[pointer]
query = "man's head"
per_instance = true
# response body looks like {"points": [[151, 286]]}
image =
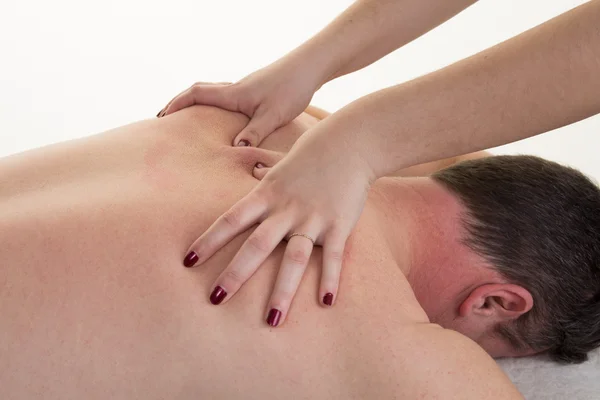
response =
{"points": [[537, 224]]}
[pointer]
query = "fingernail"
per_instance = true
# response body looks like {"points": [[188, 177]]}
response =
{"points": [[190, 259], [243, 143], [217, 295], [274, 317], [259, 165], [328, 299], [158, 115]]}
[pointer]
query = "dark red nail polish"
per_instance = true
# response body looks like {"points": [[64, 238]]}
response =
{"points": [[328, 299], [190, 259], [217, 296], [158, 115], [274, 317], [243, 143], [259, 165]]}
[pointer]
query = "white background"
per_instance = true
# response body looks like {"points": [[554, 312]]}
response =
{"points": [[73, 68]]}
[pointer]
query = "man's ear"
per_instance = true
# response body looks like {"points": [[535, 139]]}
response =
{"points": [[502, 301]]}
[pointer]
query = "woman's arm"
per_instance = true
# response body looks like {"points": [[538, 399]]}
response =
{"points": [[275, 95], [370, 29], [543, 79], [416, 170]]}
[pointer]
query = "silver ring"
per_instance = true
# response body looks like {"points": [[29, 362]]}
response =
{"points": [[303, 235]]}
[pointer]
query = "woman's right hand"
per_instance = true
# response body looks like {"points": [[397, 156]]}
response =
{"points": [[271, 97], [313, 196]]}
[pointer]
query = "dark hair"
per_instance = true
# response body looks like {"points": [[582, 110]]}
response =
{"points": [[538, 224]]}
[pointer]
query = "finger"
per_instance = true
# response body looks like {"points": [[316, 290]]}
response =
{"points": [[255, 250], [214, 95], [260, 170], [260, 126], [333, 257], [237, 219], [268, 159], [161, 113], [295, 259], [196, 94]]}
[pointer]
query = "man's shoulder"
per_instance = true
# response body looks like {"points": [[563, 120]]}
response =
{"points": [[446, 364]]}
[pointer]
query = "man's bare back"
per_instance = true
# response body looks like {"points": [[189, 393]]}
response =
{"points": [[96, 304]]}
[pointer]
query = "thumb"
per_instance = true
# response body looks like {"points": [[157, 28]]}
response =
{"points": [[202, 93], [260, 126], [268, 159], [260, 170]]}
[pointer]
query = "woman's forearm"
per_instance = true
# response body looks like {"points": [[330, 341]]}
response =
{"points": [[370, 29], [543, 79]]}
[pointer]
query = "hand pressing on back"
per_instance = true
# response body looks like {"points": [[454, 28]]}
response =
{"points": [[270, 97], [313, 196]]}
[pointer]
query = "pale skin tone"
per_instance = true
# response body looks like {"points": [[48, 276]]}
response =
{"points": [[540, 80], [128, 320], [100, 307], [416, 170]]}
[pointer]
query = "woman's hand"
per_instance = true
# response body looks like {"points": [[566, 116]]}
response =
{"points": [[318, 192], [270, 97]]}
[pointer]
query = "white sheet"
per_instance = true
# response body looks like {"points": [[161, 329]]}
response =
{"points": [[538, 378]]}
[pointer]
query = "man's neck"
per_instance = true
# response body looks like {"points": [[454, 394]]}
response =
{"points": [[421, 222]]}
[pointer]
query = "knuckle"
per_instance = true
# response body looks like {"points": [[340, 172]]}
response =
{"points": [[233, 218], [299, 257], [279, 117], [340, 226], [259, 242], [234, 276], [195, 89], [234, 87], [336, 255], [252, 135]]}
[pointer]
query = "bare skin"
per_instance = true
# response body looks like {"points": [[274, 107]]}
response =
{"points": [[540, 80], [423, 169], [96, 304]]}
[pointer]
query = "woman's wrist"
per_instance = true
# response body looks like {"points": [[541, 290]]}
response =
{"points": [[314, 62], [339, 138]]}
